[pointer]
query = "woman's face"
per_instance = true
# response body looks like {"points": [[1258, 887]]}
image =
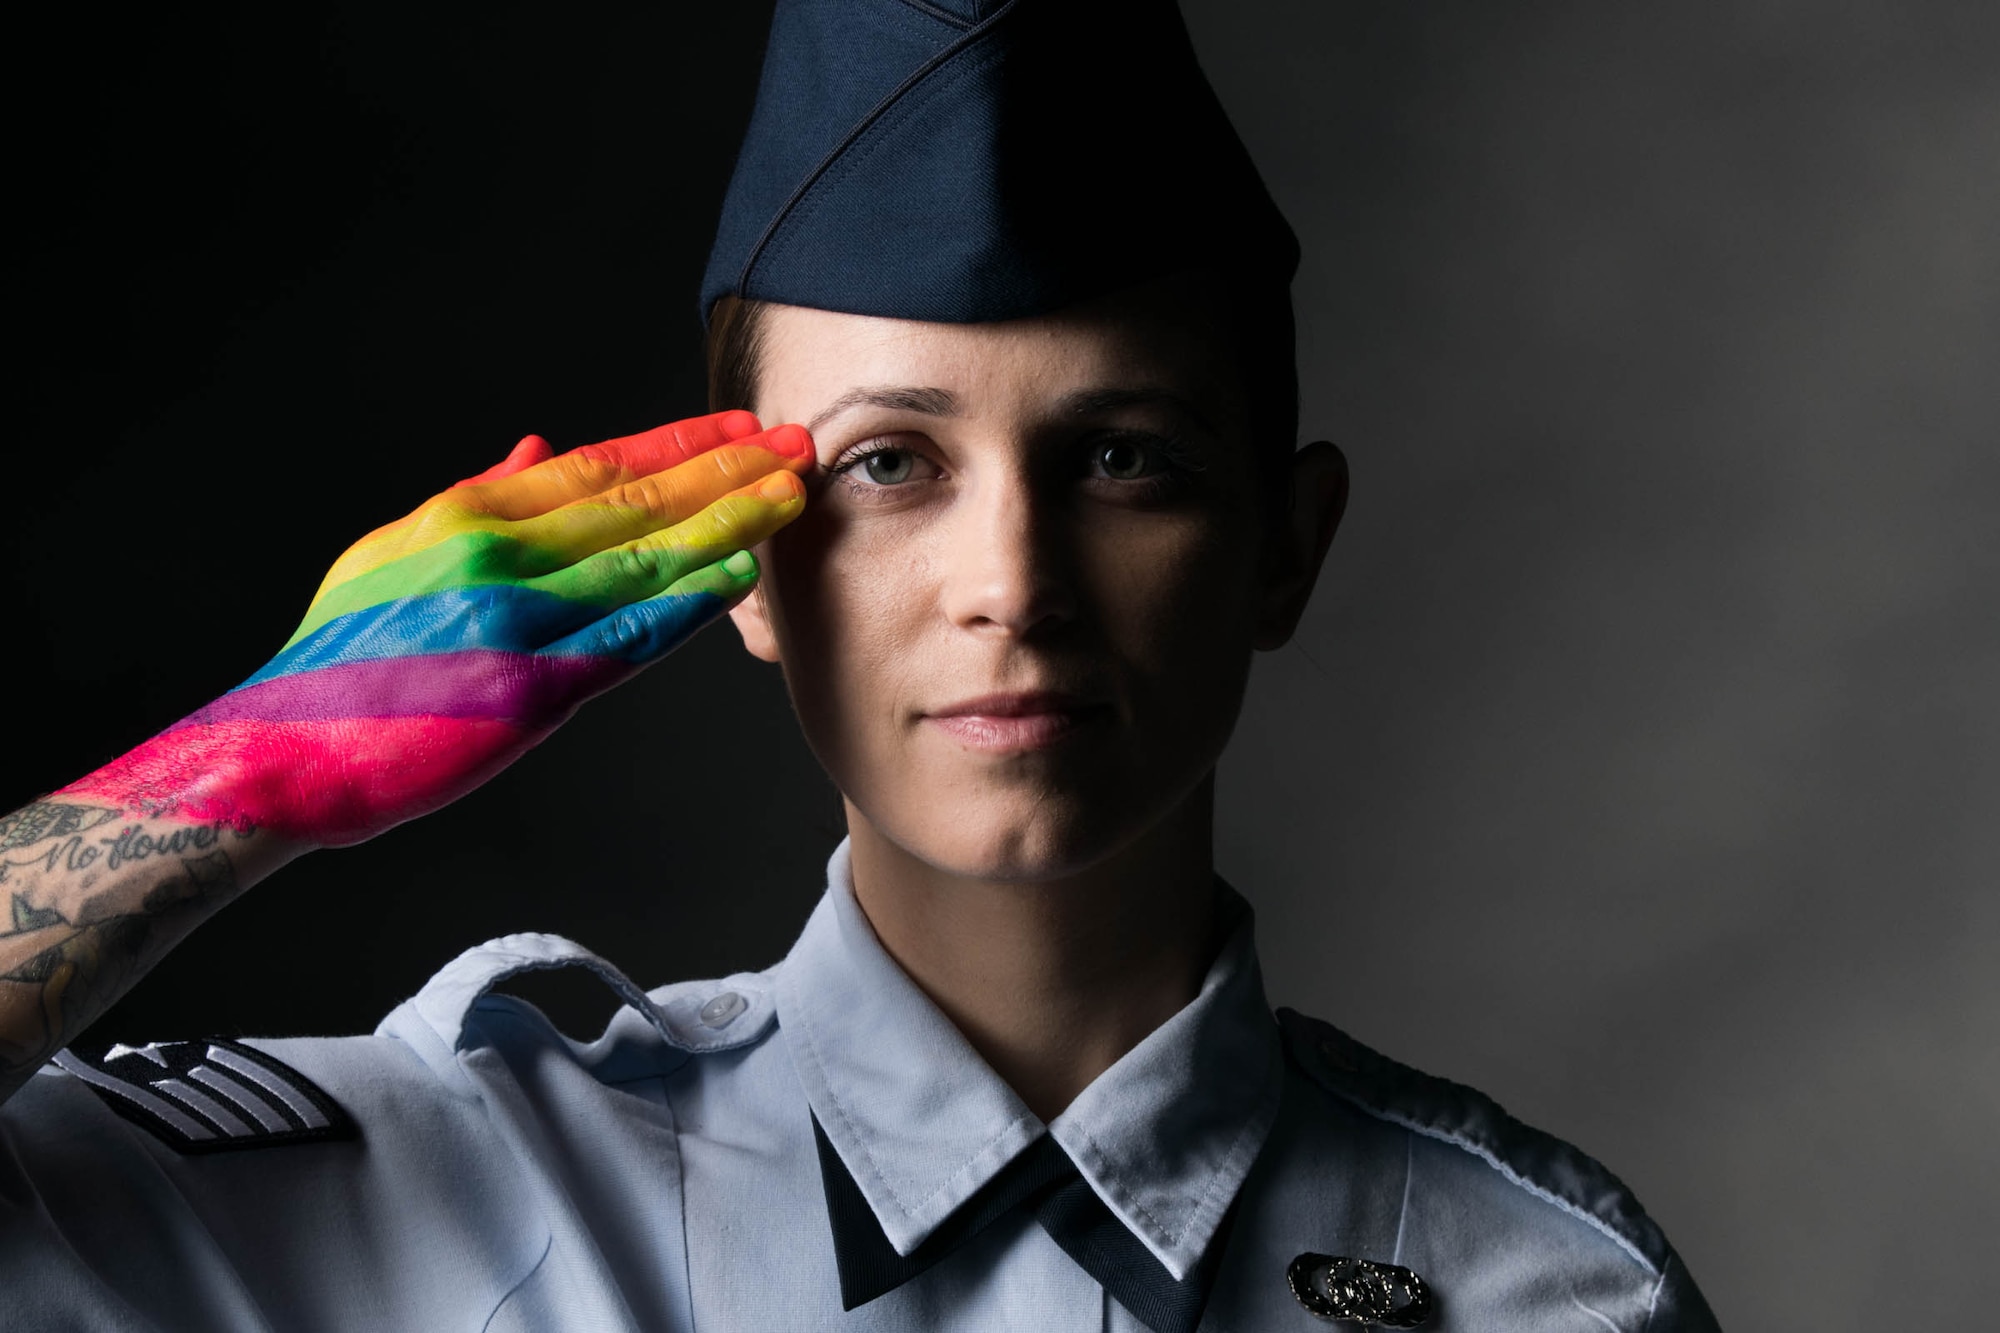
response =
{"points": [[1016, 617]]}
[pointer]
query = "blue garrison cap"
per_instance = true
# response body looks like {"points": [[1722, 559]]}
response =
{"points": [[971, 160]]}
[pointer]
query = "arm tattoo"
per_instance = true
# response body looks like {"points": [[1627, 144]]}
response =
{"points": [[74, 935], [41, 820]]}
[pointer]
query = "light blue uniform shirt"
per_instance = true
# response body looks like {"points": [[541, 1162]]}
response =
{"points": [[665, 1176]]}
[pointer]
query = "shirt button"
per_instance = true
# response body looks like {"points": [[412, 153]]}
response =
{"points": [[721, 1011]]}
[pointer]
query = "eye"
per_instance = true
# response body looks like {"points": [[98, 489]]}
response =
{"points": [[1124, 460], [881, 467], [1132, 456], [888, 467], [1139, 467]]}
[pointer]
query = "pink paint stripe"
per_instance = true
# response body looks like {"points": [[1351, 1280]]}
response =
{"points": [[522, 688], [327, 782]]}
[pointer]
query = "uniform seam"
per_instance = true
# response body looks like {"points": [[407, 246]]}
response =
{"points": [[857, 151], [1589, 1219], [680, 1177], [1169, 1236], [1492, 1160], [1409, 1175], [782, 222], [1596, 1314], [847, 1121], [902, 14], [449, 1076], [548, 1248], [1653, 1306], [932, 12], [512, 1148]]}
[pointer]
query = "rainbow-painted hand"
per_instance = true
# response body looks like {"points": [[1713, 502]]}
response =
{"points": [[442, 647]]}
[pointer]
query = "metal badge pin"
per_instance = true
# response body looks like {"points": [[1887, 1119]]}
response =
{"points": [[1360, 1291]]}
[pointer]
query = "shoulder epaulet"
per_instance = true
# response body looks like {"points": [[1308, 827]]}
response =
{"points": [[1437, 1108], [209, 1096]]}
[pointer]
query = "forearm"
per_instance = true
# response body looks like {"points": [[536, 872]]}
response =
{"points": [[92, 895]]}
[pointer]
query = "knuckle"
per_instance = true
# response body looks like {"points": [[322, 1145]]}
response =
{"points": [[436, 520], [643, 562], [742, 519], [734, 462], [652, 494], [490, 557], [587, 472], [618, 633], [726, 517]]}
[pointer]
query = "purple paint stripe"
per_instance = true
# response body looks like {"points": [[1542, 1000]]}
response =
{"points": [[509, 687]]}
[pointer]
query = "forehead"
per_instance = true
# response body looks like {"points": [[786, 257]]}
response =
{"points": [[1167, 336]]}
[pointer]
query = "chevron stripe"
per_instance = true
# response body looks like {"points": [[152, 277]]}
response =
{"points": [[209, 1096], [137, 1095], [271, 1083], [206, 1105], [241, 1097]]}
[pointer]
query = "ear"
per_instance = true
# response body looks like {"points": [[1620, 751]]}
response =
{"points": [[1317, 498], [753, 622]]}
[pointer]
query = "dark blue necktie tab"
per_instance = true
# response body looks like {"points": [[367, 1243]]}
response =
{"points": [[1044, 1180]]}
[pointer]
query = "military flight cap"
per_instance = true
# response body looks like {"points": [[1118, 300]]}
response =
{"points": [[971, 160]]}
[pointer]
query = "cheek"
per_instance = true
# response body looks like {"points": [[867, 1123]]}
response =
{"points": [[1179, 606], [845, 601], [1175, 594]]}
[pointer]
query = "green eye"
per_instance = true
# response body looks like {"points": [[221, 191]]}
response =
{"points": [[1124, 460], [889, 467]]}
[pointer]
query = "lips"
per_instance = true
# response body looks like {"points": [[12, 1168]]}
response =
{"points": [[1015, 722]]}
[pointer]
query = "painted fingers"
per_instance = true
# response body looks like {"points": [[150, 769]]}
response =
{"points": [[532, 483], [633, 509], [654, 561], [594, 468], [459, 540]]}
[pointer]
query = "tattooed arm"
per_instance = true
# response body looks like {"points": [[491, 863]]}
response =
{"points": [[90, 898], [439, 650]]}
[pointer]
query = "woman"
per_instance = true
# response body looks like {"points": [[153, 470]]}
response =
{"points": [[1034, 507]]}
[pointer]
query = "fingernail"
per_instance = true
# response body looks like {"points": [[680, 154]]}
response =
{"points": [[742, 564], [738, 424], [778, 487], [791, 441]]}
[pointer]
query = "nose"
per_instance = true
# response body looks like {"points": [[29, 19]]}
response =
{"points": [[1007, 568]]}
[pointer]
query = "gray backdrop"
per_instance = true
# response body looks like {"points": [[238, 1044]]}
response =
{"points": [[1635, 761]]}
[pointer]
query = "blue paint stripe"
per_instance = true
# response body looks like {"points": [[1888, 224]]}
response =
{"points": [[495, 618], [646, 631]]}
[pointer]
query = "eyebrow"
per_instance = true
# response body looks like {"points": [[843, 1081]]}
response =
{"points": [[902, 398], [1091, 402], [944, 403]]}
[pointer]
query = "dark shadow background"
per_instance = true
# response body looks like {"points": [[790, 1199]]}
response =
{"points": [[1636, 762]]}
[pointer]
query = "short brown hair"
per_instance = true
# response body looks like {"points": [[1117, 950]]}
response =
{"points": [[735, 352]]}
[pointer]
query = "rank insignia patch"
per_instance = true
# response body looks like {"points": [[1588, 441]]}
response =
{"points": [[209, 1096]]}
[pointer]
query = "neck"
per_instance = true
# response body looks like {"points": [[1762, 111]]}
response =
{"points": [[1052, 980]]}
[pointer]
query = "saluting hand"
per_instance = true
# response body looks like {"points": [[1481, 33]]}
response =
{"points": [[443, 646]]}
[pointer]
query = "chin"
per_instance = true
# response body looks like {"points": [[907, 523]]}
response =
{"points": [[1027, 837]]}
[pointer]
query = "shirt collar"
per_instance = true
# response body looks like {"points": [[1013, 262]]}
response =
{"points": [[1164, 1137]]}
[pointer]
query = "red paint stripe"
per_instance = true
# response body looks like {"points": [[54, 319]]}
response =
{"points": [[331, 782]]}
